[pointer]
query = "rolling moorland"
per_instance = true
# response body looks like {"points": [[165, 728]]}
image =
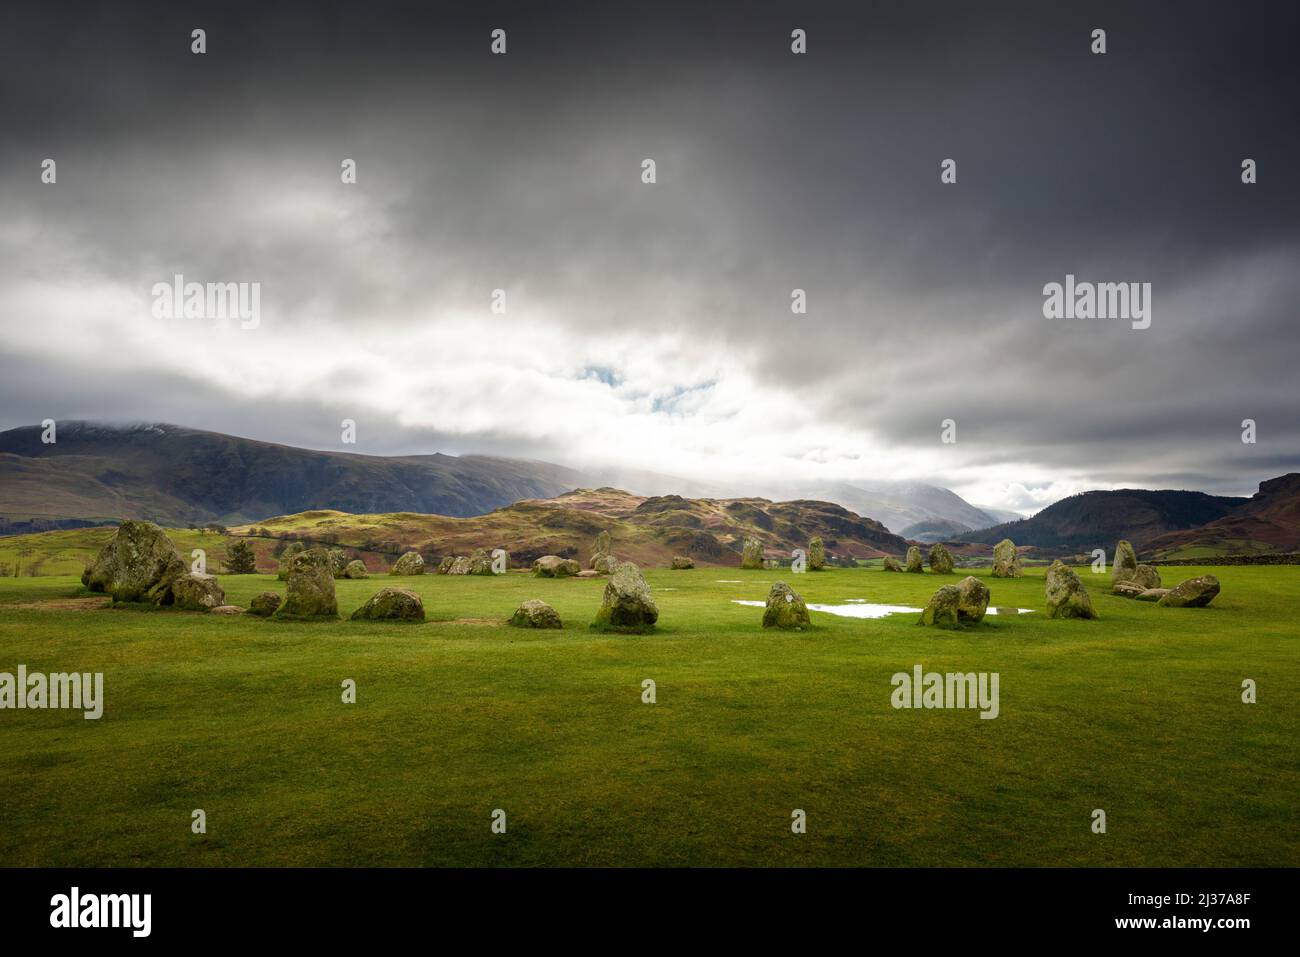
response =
{"points": [[648, 531]]}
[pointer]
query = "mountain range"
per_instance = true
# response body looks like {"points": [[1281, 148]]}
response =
{"points": [[179, 476]]}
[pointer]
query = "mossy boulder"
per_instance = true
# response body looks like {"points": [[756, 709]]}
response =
{"points": [[816, 554], [914, 560], [751, 555], [1066, 596], [265, 604], [940, 559], [339, 560], [411, 563], [391, 603], [1148, 576], [553, 566], [1006, 560], [459, 565], [785, 608], [1193, 593], [480, 562], [139, 564], [682, 562], [604, 564], [942, 610], [972, 600], [891, 564], [290, 550], [356, 569], [309, 589], [627, 605], [535, 613], [195, 592], [1126, 563]]}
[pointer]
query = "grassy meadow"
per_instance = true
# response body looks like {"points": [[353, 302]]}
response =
{"points": [[1138, 713]]}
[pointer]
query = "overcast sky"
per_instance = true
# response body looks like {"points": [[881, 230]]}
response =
{"points": [[650, 325]]}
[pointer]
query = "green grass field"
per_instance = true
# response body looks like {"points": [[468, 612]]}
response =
{"points": [[1139, 714]]}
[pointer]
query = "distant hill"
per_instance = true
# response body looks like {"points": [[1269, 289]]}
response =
{"points": [[180, 476], [897, 505], [649, 531], [177, 476], [1269, 521], [1000, 516], [645, 530], [1098, 519], [938, 530]]}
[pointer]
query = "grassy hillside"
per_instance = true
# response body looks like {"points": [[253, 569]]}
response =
{"points": [[1138, 713], [68, 552], [1268, 522], [1098, 519], [649, 531]]}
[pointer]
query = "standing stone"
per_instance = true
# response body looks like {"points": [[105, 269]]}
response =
{"points": [[785, 608], [480, 562], [309, 590], [139, 563], [604, 564], [602, 554], [816, 554], [356, 569], [752, 556], [892, 565], [553, 566], [940, 559], [290, 550], [535, 613], [627, 604], [1193, 593], [1066, 596], [195, 592], [265, 604], [1126, 563], [1147, 576], [339, 558], [972, 599], [942, 608], [412, 563], [391, 603], [1006, 560], [683, 561], [914, 560], [459, 565]]}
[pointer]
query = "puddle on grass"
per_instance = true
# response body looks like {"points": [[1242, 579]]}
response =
{"points": [[861, 608]]}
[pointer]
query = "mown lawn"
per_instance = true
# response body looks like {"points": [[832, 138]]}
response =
{"points": [[1139, 714]]}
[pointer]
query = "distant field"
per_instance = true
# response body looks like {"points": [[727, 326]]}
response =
{"points": [[1138, 713]]}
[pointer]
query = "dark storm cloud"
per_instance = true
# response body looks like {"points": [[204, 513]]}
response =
{"points": [[775, 172]]}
